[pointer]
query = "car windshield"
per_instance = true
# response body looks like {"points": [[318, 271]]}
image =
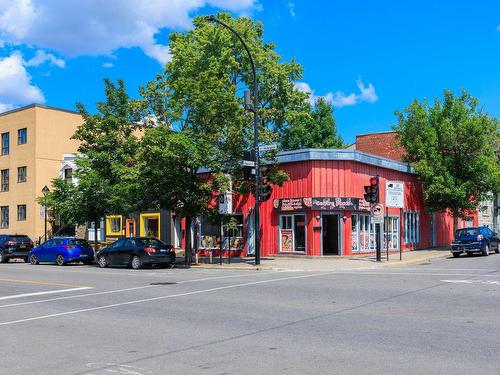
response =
{"points": [[79, 242], [467, 232], [150, 241]]}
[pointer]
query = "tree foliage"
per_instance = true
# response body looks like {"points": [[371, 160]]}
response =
{"points": [[316, 128], [451, 147]]}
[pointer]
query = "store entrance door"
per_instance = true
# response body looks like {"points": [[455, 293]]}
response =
{"points": [[330, 234]]}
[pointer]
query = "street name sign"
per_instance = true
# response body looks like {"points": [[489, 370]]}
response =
{"points": [[274, 146]]}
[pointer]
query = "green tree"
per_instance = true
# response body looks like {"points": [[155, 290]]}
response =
{"points": [[315, 128], [451, 147], [195, 118], [106, 165]]}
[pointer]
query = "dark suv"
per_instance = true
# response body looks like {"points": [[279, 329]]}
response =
{"points": [[14, 246], [470, 240]]}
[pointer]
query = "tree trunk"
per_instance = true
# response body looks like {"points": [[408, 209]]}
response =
{"points": [[187, 250], [455, 222], [96, 230]]}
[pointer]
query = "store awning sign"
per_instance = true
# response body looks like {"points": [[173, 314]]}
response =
{"points": [[321, 204]]}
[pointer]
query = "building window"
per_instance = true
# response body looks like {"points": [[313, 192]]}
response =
{"points": [[68, 175], [4, 217], [21, 212], [292, 233], [236, 234], [150, 225], [4, 178], [5, 144], [21, 174], [363, 234], [22, 136], [391, 231], [209, 230], [114, 225], [412, 227]]}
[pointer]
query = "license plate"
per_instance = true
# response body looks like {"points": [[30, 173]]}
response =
{"points": [[83, 256], [163, 251]]}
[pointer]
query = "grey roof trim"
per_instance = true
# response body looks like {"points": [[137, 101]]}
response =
{"points": [[39, 106], [342, 154]]}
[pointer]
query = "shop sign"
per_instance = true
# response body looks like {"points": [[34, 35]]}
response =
{"points": [[286, 240], [321, 204], [395, 194]]}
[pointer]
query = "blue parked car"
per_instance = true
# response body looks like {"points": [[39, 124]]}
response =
{"points": [[62, 251], [470, 240]]}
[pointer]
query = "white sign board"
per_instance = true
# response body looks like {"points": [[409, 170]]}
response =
{"points": [[226, 203], [377, 213], [248, 163], [273, 146], [395, 194]]}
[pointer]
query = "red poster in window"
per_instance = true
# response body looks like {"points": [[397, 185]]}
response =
{"points": [[286, 240]]}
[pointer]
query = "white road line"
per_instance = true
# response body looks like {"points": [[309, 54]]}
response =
{"points": [[119, 290], [43, 293], [72, 312]]}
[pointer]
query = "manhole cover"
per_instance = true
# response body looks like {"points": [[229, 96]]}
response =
{"points": [[164, 283]]}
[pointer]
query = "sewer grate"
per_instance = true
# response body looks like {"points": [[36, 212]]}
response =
{"points": [[164, 283]]}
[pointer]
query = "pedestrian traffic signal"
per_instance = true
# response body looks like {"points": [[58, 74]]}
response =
{"points": [[249, 166], [372, 190]]}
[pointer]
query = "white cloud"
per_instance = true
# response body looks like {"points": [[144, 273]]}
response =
{"points": [[108, 65], [291, 8], [42, 57], [340, 99], [15, 83], [96, 27]]}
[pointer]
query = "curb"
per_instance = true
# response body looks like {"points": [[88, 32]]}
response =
{"points": [[394, 263]]}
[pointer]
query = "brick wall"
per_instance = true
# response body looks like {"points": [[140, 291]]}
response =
{"points": [[382, 144]]}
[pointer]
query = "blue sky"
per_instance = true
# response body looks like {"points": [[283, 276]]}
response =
{"points": [[368, 58]]}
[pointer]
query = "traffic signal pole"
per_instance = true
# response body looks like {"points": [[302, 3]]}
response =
{"points": [[255, 136]]}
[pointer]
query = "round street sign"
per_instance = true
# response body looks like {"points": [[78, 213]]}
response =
{"points": [[377, 213]]}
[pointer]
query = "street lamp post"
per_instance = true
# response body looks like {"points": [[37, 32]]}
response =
{"points": [[45, 191], [255, 137]]}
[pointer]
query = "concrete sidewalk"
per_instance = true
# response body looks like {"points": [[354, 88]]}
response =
{"points": [[330, 263]]}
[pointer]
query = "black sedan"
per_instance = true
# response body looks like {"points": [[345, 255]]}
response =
{"points": [[136, 252]]}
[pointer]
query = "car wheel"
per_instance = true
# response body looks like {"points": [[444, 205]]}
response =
{"points": [[456, 255], [60, 260], [486, 250], [497, 250], [469, 253], [3, 258], [33, 259], [136, 263], [26, 260], [102, 261]]}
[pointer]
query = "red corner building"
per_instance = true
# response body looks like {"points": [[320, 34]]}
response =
{"points": [[321, 211]]}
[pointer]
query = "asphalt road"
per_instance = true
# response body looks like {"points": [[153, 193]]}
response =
{"points": [[435, 318]]}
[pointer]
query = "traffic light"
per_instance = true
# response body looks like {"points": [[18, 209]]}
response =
{"points": [[372, 191], [265, 188]]}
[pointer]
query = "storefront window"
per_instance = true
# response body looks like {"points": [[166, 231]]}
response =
{"points": [[236, 234], [150, 225], [209, 230], [391, 231], [363, 234], [293, 233], [412, 227]]}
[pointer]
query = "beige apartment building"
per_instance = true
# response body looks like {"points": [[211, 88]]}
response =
{"points": [[33, 141]]}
